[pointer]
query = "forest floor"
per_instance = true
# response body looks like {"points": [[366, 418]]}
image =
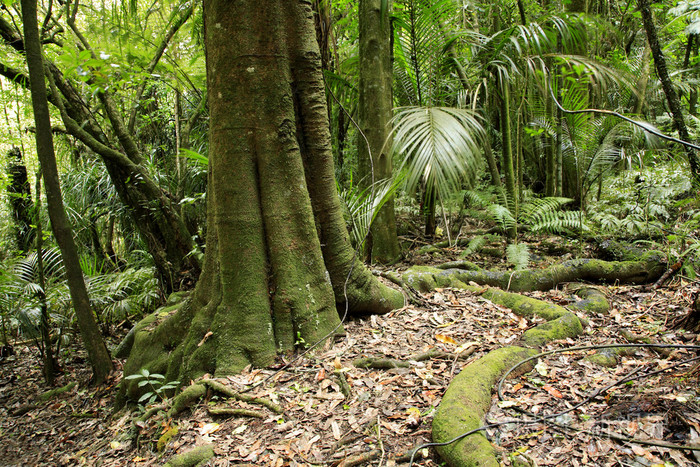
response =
{"points": [[389, 411]]}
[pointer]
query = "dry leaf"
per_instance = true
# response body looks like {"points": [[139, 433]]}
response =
{"points": [[413, 420], [209, 428], [335, 429], [445, 339], [552, 391]]}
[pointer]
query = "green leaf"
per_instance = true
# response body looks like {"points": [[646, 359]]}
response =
{"points": [[146, 396]]}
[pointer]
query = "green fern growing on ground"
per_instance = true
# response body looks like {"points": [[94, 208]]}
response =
{"points": [[518, 254], [535, 214]]}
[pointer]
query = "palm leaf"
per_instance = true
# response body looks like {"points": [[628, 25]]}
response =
{"points": [[440, 147]]}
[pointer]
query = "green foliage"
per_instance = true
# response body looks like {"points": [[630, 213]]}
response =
{"points": [[518, 255], [537, 214], [363, 205], [440, 146], [640, 202], [159, 389], [474, 245], [21, 294]]}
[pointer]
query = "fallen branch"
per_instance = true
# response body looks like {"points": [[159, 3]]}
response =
{"points": [[360, 458], [388, 363], [343, 383], [48, 395]]}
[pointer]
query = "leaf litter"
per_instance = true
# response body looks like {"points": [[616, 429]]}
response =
{"points": [[389, 411]]}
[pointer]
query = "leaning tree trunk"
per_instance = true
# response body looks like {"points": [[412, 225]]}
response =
{"points": [[278, 259], [375, 111], [94, 344], [673, 102]]}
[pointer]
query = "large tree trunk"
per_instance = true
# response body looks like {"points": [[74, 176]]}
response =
{"points": [[375, 111], [278, 258], [94, 344]]}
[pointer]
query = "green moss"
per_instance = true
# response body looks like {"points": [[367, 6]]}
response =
{"points": [[606, 358], [426, 278], [196, 456], [565, 326], [177, 298], [465, 403], [525, 306], [165, 438], [593, 300], [187, 398]]}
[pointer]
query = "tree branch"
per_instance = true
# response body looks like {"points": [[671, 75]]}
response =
{"points": [[174, 27], [643, 126]]}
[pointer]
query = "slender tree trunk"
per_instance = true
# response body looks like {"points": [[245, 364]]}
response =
{"points": [[45, 324], [693, 94], [278, 259], [94, 344], [20, 200], [375, 112], [508, 158], [671, 96], [550, 152]]}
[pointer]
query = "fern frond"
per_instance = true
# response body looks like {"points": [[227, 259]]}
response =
{"points": [[474, 245], [518, 254]]}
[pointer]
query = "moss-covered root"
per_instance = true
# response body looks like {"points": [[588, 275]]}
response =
{"points": [[593, 300], [565, 326], [560, 322], [196, 456], [365, 294], [639, 272], [48, 395], [186, 398], [465, 403]]}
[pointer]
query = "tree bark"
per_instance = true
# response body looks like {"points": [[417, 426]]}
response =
{"points": [[94, 344], [278, 258], [671, 97], [375, 112]]}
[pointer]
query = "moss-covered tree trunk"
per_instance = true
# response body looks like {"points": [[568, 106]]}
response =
{"points": [[278, 259], [375, 111]]}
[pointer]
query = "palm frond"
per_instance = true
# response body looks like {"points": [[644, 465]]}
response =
{"points": [[363, 205], [440, 147]]}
